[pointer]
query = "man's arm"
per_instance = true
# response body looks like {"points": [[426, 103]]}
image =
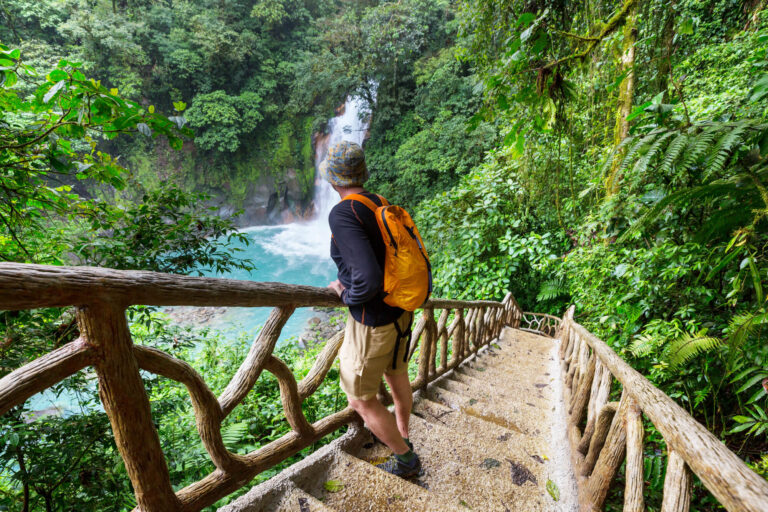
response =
{"points": [[356, 251]]}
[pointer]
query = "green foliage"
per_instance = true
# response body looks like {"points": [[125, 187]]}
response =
{"points": [[223, 121]]}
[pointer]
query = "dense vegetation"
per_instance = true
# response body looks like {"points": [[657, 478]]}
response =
{"points": [[605, 154]]}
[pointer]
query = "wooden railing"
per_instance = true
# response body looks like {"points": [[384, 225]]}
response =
{"points": [[541, 323], [614, 433], [101, 297]]}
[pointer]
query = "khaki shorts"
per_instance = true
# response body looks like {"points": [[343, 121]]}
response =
{"points": [[366, 355]]}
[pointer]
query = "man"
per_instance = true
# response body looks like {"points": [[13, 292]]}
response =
{"points": [[357, 248]]}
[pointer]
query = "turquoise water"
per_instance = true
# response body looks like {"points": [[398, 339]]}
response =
{"points": [[297, 253]]}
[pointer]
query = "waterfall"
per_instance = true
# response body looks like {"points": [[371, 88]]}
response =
{"points": [[350, 124], [311, 238]]}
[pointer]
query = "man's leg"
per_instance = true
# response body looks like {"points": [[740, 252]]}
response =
{"points": [[403, 398], [381, 422]]}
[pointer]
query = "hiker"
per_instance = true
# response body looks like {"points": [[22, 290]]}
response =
{"points": [[372, 346]]}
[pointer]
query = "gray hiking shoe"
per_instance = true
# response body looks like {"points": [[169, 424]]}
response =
{"points": [[402, 469]]}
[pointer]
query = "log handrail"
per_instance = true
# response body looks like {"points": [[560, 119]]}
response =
{"points": [[589, 367], [28, 286], [101, 297]]}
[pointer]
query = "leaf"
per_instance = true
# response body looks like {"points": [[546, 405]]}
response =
{"points": [[490, 464], [144, 129], [525, 19], [53, 90], [57, 75], [686, 27], [179, 105], [333, 485], [553, 490]]}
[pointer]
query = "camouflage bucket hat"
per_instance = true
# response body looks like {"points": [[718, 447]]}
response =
{"points": [[345, 165]]}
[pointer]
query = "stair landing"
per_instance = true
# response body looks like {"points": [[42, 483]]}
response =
{"points": [[491, 437]]}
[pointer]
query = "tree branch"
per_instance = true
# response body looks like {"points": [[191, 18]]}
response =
{"points": [[608, 28]]}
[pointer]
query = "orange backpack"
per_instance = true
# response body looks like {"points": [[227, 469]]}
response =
{"points": [[407, 272]]}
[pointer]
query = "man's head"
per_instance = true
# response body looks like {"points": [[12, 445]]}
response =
{"points": [[344, 167]]}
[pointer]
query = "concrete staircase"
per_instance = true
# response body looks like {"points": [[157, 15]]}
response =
{"points": [[491, 436]]}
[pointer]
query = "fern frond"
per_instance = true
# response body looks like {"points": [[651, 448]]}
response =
{"points": [[688, 346], [724, 221], [612, 156], [744, 324], [698, 147], [234, 433], [722, 151], [643, 345], [642, 164], [552, 289], [636, 148], [714, 189], [674, 150]]}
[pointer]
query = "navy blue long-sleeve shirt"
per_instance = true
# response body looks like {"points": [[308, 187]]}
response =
{"points": [[358, 250]]}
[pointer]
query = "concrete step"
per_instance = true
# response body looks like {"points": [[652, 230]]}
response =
{"points": [[529, 421], [441, 414], [363, 487], [468, 470], [506, 390]]}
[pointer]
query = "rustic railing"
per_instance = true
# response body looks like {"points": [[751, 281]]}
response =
{"points": [[614, 433], [101, 297], [541, 323]]}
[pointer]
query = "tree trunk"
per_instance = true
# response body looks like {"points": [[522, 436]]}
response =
{"points": [[626, 94], [664, 66]]}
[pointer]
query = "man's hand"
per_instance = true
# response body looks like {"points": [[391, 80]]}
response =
{"points": [[337, 287]]}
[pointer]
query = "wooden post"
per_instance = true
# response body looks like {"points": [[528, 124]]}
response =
{"points": [[579, 403], [458, 338], [442, 334], [603, 425], [633, 491], [426, 349], [104, 327], [596, 405], [677, 485], [610, 458]]}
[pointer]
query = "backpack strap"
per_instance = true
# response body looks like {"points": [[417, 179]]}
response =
{"points": [[402, 335], [367, 202]]}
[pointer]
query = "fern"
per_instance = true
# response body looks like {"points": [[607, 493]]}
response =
{"points": [[643, 345], [552, 289], [636, 148], [642, 164], [612, 156], [674, 150], [743, 325], [723, 149], [721, 188], [688, 346], [234, 433], [698, 147]]}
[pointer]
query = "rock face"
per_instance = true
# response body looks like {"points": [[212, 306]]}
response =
{"points": [[268, 202]]}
